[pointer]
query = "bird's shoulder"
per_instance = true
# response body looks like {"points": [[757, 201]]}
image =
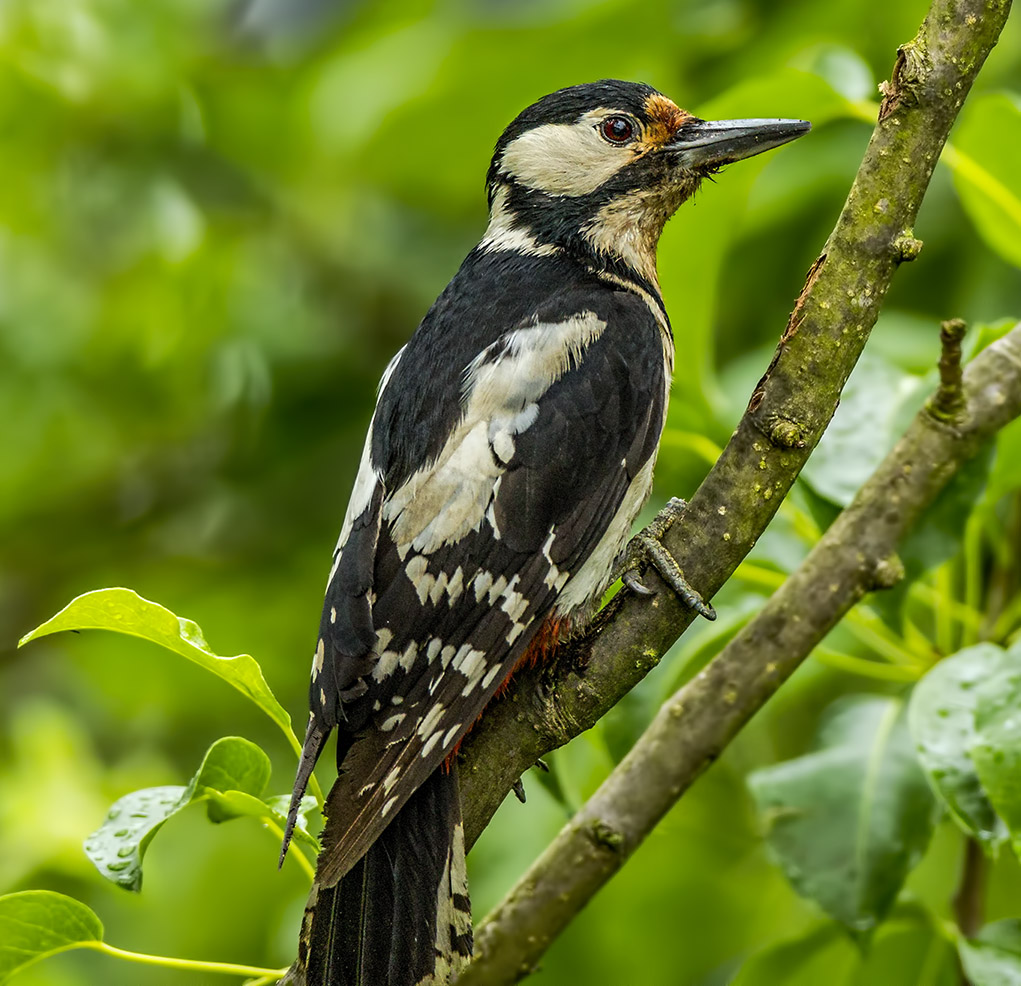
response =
{"points": [[480, 317]]}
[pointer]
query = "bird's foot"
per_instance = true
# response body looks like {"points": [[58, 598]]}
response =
{"points": [[646, 548], [519, 785]]}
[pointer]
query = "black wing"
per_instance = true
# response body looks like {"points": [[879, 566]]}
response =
{"points": [[448, 569]]}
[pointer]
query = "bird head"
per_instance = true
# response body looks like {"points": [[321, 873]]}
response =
{"points": [[598, 169]]}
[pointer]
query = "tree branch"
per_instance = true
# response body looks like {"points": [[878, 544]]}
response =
{"points": [[787, 414], [856, 555]]}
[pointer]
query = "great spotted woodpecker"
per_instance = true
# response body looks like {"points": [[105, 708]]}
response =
{"points": [[511, 449]]}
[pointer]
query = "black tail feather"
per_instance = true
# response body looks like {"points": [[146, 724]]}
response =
{"points": [[401, 916]]}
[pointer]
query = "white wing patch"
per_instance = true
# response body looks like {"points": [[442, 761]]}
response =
{"points": [[448, 498]]}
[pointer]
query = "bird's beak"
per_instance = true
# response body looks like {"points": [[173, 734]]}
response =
{"points": [[710, 144]]}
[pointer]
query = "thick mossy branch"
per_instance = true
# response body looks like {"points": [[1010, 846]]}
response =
{"points": [[786, 416], [856, 555]]}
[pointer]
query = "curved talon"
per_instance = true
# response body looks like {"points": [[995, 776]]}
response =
{"points": [[519, 790], [647, 547], [631, 580]]}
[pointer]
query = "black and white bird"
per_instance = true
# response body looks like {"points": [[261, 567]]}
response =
{"points": [[511, 449]]}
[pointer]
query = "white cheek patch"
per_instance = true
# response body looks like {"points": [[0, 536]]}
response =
{"points": [[564, 158]]}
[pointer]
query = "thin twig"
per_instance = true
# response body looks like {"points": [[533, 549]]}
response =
{"points": [[947, 400]]}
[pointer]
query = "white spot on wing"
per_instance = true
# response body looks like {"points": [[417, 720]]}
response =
{"points": [[483, 580], [436, 592], [431, 720], [514, 603], [388, 806], [384, 667], [455, 586], [391, 779], [515, 631], [409, 655], [497, 588]]}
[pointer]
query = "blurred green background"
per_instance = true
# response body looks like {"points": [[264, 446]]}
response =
{"points": [[217, 223]]}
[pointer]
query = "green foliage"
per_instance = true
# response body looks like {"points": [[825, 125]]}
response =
{"points": [[217, 223], [994, 958], [849, 821], [996, 749], [231, 781], [942, 719], [38, 923], [990, 185], [908, 948], [124, 611]]}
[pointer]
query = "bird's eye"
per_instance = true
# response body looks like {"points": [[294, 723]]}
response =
{"points": [[617, 129]]}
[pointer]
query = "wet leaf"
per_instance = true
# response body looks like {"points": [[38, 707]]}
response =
{"points": [[230, 781], [941, 717]]}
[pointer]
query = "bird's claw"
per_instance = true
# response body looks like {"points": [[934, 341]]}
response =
{"points": [[519, 790], [646, 548]]}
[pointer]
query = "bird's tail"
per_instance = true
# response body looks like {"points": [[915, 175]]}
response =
{"points": [[401, 916]]}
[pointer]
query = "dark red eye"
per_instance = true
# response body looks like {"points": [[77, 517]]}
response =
{"points": [[617, 129]]}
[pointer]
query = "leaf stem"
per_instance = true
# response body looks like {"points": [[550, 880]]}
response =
{"points": [[867, 628], [961, 165], [969, 899], [192, 965], [864, 667], [705, 448], [941, 609], [972, 578], [968, 169]]}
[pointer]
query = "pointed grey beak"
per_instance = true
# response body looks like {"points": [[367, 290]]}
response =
{"points": [[706, 143]]}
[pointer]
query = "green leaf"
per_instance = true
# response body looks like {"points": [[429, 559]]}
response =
{"points": [[938, 534], [941, 717], [230, 780], [124, 611], [994, 958], [985, 158], [863, 429], [232, 765], [822, 954], [849, 821], [996, 747], [909, 948], [38, 923], [116, 848]]}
